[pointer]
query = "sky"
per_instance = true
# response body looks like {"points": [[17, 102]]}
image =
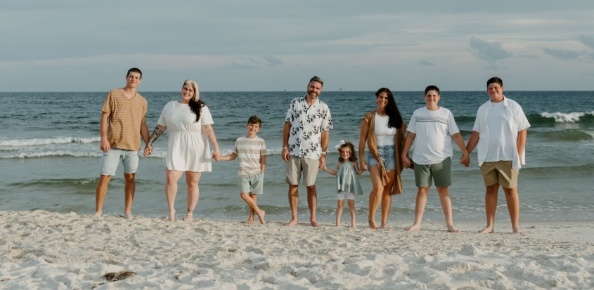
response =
{"points": [[276, 45]]}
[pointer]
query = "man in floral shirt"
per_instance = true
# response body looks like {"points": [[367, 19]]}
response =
{"points": [[305, 140]]}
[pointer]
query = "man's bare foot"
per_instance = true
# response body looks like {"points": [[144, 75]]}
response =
{"points": [[128, 216], [291, 223], [353, 226], [261, 217], [250, 221], [337, 225], [189, 216], [518, 231], [372, 225], [97, 215], [487, 230], [385, 227], [171, 217], [453, 229], [314, 223], [413, 228]]}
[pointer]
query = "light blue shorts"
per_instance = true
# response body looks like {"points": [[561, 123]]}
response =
{"points": [[111, 160], [386, 154], [252, 184]]}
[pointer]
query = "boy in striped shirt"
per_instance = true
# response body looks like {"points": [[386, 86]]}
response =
{"points": [[251, 151]]}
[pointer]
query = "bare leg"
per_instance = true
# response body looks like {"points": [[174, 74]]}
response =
{"points": [[293, 204], [490, 207], [101, 193], [252, 213], [422, 193], [312, 203], [387, 198], [339, 206], [172, 176], [446, 206], [193, 194], [251, 199], [351, 203], [513, 205], [386, 204], [129, 190], [374, 195]]}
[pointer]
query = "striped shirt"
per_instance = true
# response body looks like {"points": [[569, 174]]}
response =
{"points": [[125, 119], [249, 151]]}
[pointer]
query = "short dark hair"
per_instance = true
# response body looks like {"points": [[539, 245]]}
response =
{"points": [[134, 69], [495, 80], [432, 88], [317, 79], [254, 120]]}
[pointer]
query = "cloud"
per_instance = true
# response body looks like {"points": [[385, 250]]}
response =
{"points": [[587, 40], [562, 53], [490, 52], [426, 63], [255, 62]]}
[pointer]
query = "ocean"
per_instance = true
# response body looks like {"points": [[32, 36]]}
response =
{"points": [[50, 157]]}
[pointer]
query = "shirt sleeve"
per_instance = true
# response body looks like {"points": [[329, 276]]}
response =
{"points": [[206, 116], [452, 126]]}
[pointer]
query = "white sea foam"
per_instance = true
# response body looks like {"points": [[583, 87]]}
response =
{"points": [[47, 141], [573, 117]]}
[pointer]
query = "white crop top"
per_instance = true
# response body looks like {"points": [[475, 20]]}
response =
{"points": [[383, 134]]}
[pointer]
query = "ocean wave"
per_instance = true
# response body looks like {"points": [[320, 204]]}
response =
{"points": [[574, 117], [59, 153], [47, 141], [564, 135]]}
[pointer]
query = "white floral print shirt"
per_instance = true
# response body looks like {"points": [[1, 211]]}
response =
{"points": [[307, 125]]}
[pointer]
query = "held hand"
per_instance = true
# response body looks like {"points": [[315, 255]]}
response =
{"points": [[104, 145], [405, 161], [148, 150], [216, 155], [323, 162], [362, 165], [465, 160]]}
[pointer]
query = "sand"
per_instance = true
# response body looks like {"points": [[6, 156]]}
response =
{"points": [[47, 250]]}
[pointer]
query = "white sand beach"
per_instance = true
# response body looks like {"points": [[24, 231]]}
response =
{"points": [[47, 250]]}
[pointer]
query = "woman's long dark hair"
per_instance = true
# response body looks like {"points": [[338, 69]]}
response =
{"points": [[394, 116], [195, 103]]}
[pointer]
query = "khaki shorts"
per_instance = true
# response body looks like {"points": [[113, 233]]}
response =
{"points": [[296, 165], [500, 172], [439, 172]]}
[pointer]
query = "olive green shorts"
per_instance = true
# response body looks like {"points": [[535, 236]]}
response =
{"points": [[438, 172]]}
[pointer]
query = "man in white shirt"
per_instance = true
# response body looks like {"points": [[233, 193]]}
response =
{"points": [[500, 131]]}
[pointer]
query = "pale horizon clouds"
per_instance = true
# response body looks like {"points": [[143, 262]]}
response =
{"points": [[70, 45]]}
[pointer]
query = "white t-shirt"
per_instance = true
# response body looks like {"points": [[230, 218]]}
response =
{"points": [[434, 130], [383, 134]]}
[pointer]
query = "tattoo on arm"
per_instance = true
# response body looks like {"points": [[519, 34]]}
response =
{"points": [[155, 135]]}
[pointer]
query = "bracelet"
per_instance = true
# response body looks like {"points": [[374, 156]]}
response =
{"points": [[323, 152]]}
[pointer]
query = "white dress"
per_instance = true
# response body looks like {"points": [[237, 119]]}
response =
{"points": [[188, 148]]}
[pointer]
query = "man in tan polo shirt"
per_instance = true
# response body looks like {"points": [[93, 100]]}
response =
{"points": [[123, 122]]}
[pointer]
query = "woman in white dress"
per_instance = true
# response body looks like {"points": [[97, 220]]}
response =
{"points": [[188, 123]]}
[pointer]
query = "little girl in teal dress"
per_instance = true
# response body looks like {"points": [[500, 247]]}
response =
{"points": [[347, 181]]}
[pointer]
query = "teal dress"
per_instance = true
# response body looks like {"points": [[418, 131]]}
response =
{"points": [[347, 179]]}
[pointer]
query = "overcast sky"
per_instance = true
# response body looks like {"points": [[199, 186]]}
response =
{"points": [[273, 45]]}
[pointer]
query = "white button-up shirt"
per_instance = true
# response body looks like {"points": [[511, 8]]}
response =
{"points": [[517, 122]]}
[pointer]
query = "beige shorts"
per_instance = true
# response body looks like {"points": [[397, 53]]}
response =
{"points": [[296, 165], [500, 172]]}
